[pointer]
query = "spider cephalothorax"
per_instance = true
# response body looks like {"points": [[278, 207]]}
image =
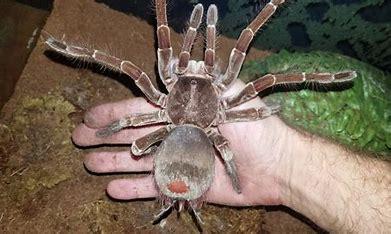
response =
{"points": [[194, 106]]}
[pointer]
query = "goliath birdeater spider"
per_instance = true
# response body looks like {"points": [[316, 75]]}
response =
{"points": [[194, 105]]}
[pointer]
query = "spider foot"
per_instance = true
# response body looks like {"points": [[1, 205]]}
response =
{"points": [[52, 42], [342, 77], [233, 174]]}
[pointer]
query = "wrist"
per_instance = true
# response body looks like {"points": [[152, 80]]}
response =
{"points": [[291, 165], [288, 145], [306, 184], [334, 187]]}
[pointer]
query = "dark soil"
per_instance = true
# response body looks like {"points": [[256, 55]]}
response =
{"points": [[45, 187]]}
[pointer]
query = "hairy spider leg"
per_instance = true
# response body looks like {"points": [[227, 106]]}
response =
{"points": [[252, 89], [250, 114], [163, 212], [135, 120], [196, 214], [194, 24], [209, 56], [178, 205], [222, 145], [164, 51], [238, 53], [143, 144], [140, 78]]}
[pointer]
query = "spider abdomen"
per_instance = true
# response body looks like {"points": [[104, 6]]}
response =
{"points": [[184, 163], [193, 100]]}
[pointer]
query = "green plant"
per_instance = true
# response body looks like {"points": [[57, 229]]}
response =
{"points": [[358, 116]]}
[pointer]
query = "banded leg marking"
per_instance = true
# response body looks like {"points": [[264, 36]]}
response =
{"points": [[211, 20], [250, 114], [238, 53], [81, 53], [133, 121], [252, 89], [164, 51], [222, 145], [143, 144], [195, 21], [141, 79]]}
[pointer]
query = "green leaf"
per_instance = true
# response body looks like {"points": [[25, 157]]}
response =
{"points": [[357, 114]]}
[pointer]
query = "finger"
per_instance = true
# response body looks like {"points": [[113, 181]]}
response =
{"points": [[108, 162], [126, 189], [85, 136], [102, 115]]}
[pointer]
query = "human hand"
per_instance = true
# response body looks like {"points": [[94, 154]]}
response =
{"points": [[259, 148]]}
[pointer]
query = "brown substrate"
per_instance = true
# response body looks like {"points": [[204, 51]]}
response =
{"points": [[19, 27], [45, 187]]}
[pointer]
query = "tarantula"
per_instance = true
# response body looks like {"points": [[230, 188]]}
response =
{"points": [[194, 105]]}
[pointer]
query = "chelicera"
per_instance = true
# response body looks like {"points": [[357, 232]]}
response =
{"points": [[194, 106]]}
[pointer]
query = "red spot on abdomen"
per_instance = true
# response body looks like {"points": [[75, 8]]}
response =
{"points": [[178, 186]]}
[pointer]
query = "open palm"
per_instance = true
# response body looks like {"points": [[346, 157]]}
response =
{"points": [[258, 147]]}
